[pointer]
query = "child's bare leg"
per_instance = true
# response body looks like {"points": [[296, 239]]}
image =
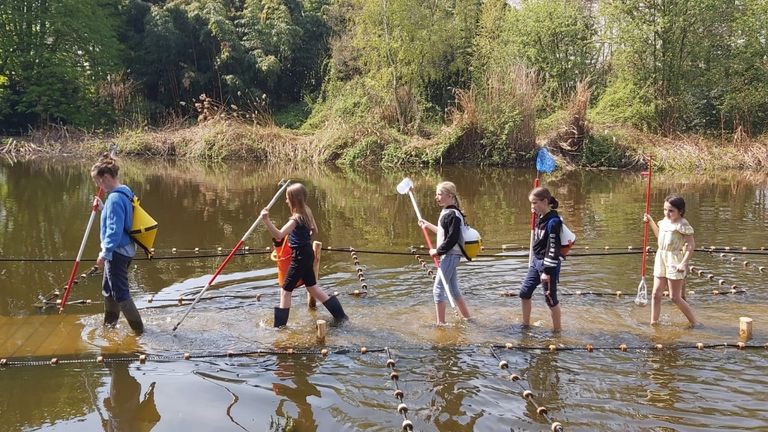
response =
{"points": [[675, 292], [285, 299], [317, 293], [658, 288], [440, 312], [526, 306], [462, 305]]}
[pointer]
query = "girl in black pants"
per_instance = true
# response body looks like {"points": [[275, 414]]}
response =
{"points": [[300, 228]]}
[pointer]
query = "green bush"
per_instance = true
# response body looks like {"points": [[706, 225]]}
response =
{"points": [[626, 104], [603, 150]]}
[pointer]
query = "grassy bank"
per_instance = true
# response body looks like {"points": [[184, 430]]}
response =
{"points": [[355, 145]]}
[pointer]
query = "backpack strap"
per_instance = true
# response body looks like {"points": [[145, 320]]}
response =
{"points": [[461, 233], [130, 201]]}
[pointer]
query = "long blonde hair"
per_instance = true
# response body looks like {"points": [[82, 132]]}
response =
{"points": [[297, 202], [449, 188]]}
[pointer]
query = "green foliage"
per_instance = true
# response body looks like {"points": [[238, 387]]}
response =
{"points": [[625, 104], [603, 150], [53, 54], [557, 38]]}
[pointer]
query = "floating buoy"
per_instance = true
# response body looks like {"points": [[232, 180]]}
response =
{"points": [[629, 247], [364, 286], [623, 347], [541, 410], [618, 293], [399, 394], [733, 259], [721, 282], [552, 348], [503, 364], [143, 358], [390, 363], [509, 345], [173, 250], [659, 347], [258, 297], [761, 269], [741, 345], [607, 247], [691, 292], [527, 394], [151, 298], [3, 362], [402, 408], [324, 352], [407, 425], [589, 347], [197, 250], [711, 277], [715, 292], [514, 377], [394, 376], [363, 350], [180, 301], [186, 356], [556, 427], [356, 292], [700, 346], [100, 359], [54, 361], [745, 263]]}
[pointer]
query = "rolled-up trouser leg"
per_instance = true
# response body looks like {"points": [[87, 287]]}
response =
{"points": [[111, 311], [132, 315]]}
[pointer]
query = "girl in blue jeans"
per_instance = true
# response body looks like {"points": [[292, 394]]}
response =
{"points": [[117, 246], [448, 231]]}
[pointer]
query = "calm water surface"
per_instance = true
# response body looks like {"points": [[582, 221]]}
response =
{"points": [[450, 375]]}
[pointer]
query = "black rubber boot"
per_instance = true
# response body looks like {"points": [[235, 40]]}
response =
{"points": [[111, 311], [281, 316], [132, 315], [334, 307]]}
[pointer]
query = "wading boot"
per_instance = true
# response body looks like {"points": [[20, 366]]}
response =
{"points": [[281, 316], [334, 307], [110, 318], [132, 315]]}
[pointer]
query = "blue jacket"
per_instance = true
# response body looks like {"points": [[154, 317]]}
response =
{"points": [[116, 221]]}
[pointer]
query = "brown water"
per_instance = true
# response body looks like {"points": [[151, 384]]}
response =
{"points": [[450, 375]]}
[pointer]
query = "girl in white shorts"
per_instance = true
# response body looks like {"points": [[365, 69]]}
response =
{"points": [[676, 246]]}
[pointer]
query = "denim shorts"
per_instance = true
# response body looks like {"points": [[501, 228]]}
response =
{"points": [[533, 279]]}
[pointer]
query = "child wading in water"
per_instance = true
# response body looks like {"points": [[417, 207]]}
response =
{"points": [[448, 231], [117, 246], [670, 267], [545, 260], [300, 228]]}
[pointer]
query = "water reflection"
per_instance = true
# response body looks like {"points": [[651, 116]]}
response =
{"points": [[294, 387], [127, 409]]}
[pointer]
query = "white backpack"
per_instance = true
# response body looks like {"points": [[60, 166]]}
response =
{"points": [[470, 241]]}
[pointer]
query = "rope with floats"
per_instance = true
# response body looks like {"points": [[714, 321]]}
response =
{"points": [[528, 394], [247, 251], [145, 357]]}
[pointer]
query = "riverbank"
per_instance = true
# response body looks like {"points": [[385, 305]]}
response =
{"points": [[345, 145]]}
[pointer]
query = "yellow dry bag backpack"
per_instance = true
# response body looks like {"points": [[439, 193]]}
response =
{"points": [[144, 227], [470, 242]]}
